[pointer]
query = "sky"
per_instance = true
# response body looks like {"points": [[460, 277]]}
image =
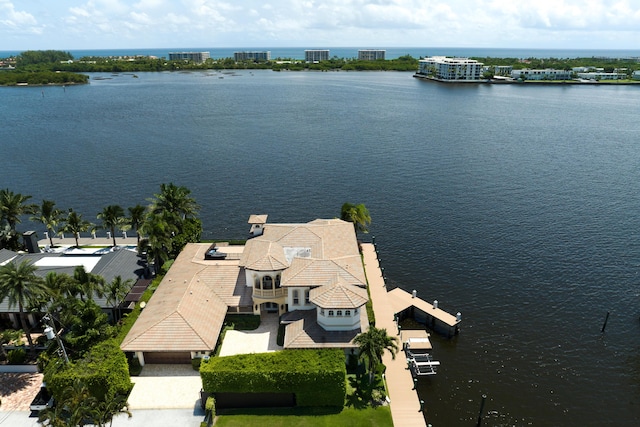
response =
{"points": [[121, 24]]}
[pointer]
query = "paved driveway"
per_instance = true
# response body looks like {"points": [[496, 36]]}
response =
{"points": [[166, 387]]}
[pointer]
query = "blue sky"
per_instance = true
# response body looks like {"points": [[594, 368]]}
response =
{"points": [[121, 24]]}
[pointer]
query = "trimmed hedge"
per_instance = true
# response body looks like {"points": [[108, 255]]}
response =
{"points": [[316, 377], [104, 370]]}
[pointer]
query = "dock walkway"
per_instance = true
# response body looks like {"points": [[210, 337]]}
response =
{"points": [[405, 404]]}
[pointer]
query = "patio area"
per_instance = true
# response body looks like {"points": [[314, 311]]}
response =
{"points": [[261, 340]]}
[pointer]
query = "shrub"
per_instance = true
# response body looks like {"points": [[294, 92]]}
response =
{"points": [[104, 370], [17, 356], [316, 377], [195, 363]]}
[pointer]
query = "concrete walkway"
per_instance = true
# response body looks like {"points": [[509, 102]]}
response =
{"points": [[405, 404]]}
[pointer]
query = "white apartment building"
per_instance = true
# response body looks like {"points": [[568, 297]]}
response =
{"points": [[198, 57], [316, 55], [252, 56], [546, 74], [602, 76], [445, 68], [371, 54]]}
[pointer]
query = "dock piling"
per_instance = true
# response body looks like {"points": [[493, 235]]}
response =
{"points": [[479, 423], [606, 319]]}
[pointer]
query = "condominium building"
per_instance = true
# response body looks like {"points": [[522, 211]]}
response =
{"points": [[546, 74], [198, 57], [252, 56], [371, 54], [445, 68], [316, 55]]}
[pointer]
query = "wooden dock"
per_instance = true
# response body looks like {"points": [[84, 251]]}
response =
{"points": [[405, 404]]}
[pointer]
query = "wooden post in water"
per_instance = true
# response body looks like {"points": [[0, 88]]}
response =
{"points": [[606, 319], [479, 423]]}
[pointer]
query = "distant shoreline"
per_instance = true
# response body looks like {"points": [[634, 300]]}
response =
{"points": [[530, 82]]}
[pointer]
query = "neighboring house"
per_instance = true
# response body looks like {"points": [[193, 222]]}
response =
{"points": [[311, 274], [602, 76], [123, 263], [445, 68]]}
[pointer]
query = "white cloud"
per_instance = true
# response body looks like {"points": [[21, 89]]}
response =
{"points": [[493, 23]]}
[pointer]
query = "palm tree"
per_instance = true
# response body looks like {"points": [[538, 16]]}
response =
{"points": [[372, 345], [174, 201], [49, 216], [159, 234], [75, 225], [115, 292], [19, 283], [112, 216], [136, 218], [357, 214], [89, 283], [13, 206]]}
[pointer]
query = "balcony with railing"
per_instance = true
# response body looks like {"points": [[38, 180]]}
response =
{"points": [[269, 293]]}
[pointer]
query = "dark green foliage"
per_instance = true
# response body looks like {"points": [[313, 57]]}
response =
{"points": [[242, 322], [104, 370], [16, 356], [12, 78], [317, 377], [42, 57]]}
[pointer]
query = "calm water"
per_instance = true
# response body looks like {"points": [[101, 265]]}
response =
{"points": [[518, 206]]}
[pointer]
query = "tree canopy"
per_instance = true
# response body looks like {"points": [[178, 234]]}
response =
{"points": [[357, 214]]}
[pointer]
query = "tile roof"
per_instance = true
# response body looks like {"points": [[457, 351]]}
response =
{"points": [[306, 333], [338, 294], [187, 310], [318, 272], [263, 255]]}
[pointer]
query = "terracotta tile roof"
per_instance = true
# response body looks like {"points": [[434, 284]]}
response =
{"points": [[263, 255], [338, 294], [187, 310], [257, 219], [306, 333], [318, 272]]}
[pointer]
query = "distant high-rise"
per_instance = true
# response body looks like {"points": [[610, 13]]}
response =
{"points": [[316, 55], [190, 56], [252, 56], [371, 54]]}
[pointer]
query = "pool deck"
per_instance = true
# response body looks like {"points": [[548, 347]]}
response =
{"points": [[405, 404]]}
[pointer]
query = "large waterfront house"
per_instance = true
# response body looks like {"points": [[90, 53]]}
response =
{"points": [[310, 274]]}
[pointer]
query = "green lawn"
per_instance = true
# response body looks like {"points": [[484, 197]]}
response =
{"points": [[349, 417]]}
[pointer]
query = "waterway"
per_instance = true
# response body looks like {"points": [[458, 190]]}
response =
{"points": [[515, 205]]}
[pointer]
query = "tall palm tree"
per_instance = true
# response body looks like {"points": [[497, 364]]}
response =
{"points": [[112, 216], [75, 225], [136, 218], [13, 206], [175, 201], [20, 285], [115, 291], [49, 216], [159, 234], [90, 284], [372, 345], [356, 214]]}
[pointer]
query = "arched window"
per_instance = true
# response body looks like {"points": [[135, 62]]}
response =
{"points": [[277, 281], [339, 313], [330, 313], [256, 282], [267, 282], [347, 313], [306, 296], [296, 297]]}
